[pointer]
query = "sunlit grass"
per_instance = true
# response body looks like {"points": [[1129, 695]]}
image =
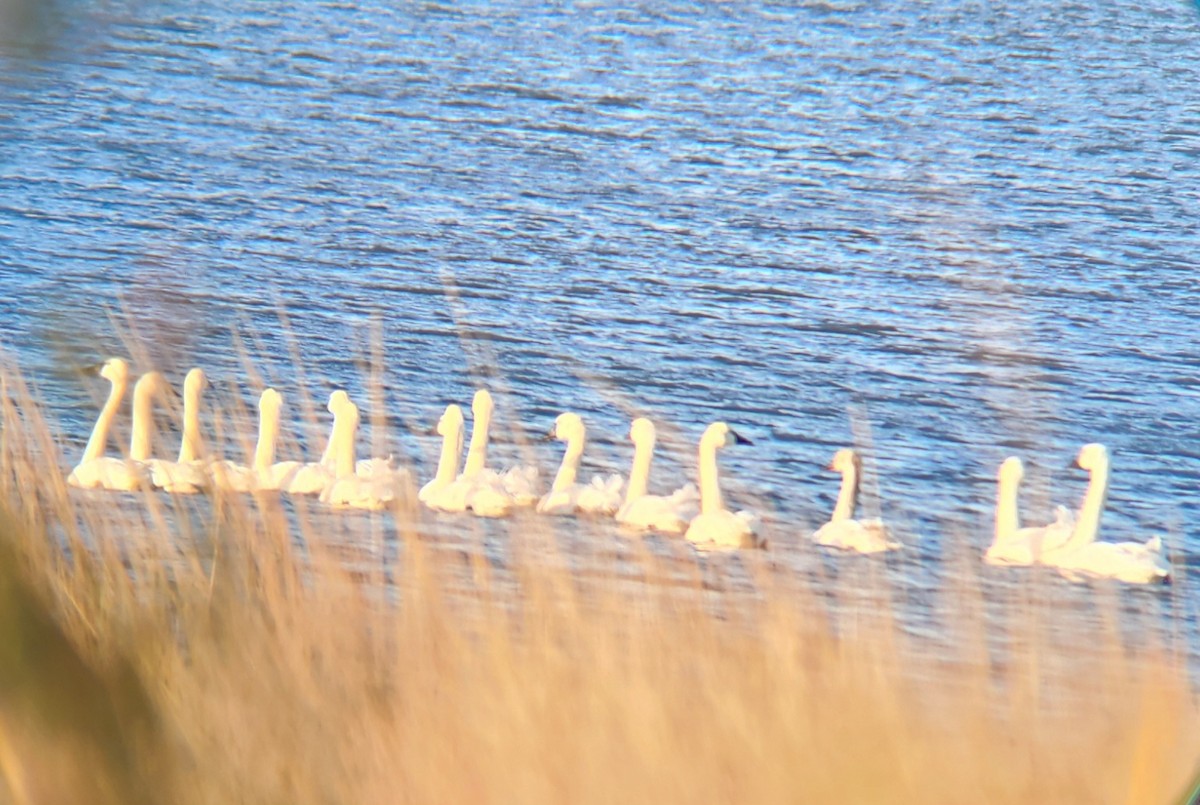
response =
{"points": [[236, 650]]}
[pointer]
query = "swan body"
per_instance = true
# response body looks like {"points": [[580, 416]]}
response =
{"points": [[1081, 557], [350, 490], [601, 496], [716, 526], [1130, 562], [521, 484], [93, 467], [843, 531], [646, 512]]}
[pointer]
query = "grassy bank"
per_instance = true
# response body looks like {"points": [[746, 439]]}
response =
{"points": [[233, 650]]}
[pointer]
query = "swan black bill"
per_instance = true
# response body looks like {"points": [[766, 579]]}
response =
{"points": [[739, 438]]}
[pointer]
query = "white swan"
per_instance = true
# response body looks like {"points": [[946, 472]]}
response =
{"points": [[442, 493], [478, 489], [363, 467], [264, 474], [715, 525], [843, 531], [89, 473], [129, 474], [350, 489], [1011, 544], [311, 478], [481, 490], [1083, 558], [601, 496], [670, 513], [188, 474], [517, 484]]}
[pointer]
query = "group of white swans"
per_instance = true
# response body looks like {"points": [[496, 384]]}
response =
{"points": [[699, 514]]}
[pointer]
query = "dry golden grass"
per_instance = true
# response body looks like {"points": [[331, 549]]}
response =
{"points": [[227, 650]]}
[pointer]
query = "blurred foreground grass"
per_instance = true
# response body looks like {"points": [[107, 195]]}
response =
{"points": [[147, 659]]}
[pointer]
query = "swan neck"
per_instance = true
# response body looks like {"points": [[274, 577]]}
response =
{"points": [[847, 496], [345, 424], [142, 442], [1008, 519], [99, 437], [268, 433], [328, 456], [710, 482], [639, 473], [448, 461], [568, 470], [191, 448], [1087, 523], [477, 452]]}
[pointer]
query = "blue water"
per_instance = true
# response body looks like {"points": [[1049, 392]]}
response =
{"points": [[946, 231]]}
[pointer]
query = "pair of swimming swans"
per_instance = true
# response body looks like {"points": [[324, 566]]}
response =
{"points": [[1069, 543], [478, 489], [98, 471], [843, 531]]}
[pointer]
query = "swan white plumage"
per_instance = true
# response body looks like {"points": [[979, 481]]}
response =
{"points": [[129, 474], [843, 531], [478, 488], [482, 490], [442, 493], [601, 496], [350, 489], [1011, 544], [491, 487], [715, 525], [1084, 558], [89, 473], [311, 478], [640, 510], [363, 467], [264, 474], [189, 474]]}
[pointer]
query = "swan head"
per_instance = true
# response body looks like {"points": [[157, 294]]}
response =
{"points": [[1092, 456], [719, 434], [195, 381], [1011, 471], [482, 403], [152, 383], [641, 431], [115, 370], [337, 400], [846, 460], [270, 399], [568, 426], [451, 422]]}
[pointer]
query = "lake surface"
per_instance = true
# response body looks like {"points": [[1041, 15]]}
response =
{"points": [[947, 232]]}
